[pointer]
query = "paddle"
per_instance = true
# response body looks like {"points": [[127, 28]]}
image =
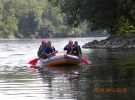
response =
{"points": [[33, 61], [33, 67], [85, 61]]}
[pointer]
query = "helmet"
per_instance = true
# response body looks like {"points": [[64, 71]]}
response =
{"points": [[43, 42], [75, 42], [70, 41]]}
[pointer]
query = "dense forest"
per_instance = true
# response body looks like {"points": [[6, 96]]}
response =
{"points": [[37, 19], [117, 17]]}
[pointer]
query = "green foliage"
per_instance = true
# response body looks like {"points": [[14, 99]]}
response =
{"points": [[100, 14], [34, 19], [126, 28]]}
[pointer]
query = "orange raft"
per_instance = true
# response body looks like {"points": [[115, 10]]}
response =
{"points": [[63, 59]]}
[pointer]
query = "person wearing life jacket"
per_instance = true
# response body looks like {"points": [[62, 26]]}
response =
{"points": [[69, 47], [76, 50], [48, 51], [41, 47]]}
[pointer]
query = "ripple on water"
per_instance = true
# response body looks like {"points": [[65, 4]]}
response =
{"points": [[21, 82], [109, 68]]}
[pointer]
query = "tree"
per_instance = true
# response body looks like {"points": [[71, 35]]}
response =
{"points": [[100, 14], [36, 18]]}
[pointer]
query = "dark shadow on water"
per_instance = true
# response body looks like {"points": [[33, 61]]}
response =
{"points": [[65, 71], [61, 78], [111, 75], [60, 71]]}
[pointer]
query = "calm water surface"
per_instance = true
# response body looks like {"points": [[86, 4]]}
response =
{"points": [[110, 76]]}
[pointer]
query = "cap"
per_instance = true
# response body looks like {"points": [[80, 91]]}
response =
{"points": [[75, 42], [43, 42]]}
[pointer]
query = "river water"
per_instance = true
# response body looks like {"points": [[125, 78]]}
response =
{"points": [[110, 76]]}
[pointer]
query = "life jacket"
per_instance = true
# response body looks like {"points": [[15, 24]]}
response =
{"points": [[76, 50], [49, 50], [68, 48], [40, 50]]}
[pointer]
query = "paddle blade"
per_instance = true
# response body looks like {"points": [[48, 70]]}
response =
{"points": [[34, 61], [85, 61], [33, 67]]}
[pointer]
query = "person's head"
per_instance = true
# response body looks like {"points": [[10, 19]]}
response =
{"points": [[49, 43], [76, 43], [70, 42], [43, 42]]}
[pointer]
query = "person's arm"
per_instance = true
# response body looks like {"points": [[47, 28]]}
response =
{"points": [[53, 51], [65, 48], [53, 48], [38, 52], [44, 52], [80, 51]]}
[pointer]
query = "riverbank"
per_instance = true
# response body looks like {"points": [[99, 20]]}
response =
{"points": [[112, 43]]}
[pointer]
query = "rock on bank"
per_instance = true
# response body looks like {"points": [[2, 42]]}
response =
{"points": [[112, 43]]}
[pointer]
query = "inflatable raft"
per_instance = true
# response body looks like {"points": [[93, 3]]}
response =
{"points": [[63, 59]]}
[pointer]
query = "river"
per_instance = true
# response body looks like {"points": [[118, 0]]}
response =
{"points": [[110, 76]]}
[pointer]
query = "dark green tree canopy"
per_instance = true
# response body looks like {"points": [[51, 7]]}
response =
{"points": [[100, 14]]}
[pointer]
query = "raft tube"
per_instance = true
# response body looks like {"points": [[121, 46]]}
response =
{"points": [[63, 59]]}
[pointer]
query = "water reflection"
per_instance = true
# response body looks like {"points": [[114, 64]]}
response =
{"points": [[111, 75], [60, 80], [60, 71]]}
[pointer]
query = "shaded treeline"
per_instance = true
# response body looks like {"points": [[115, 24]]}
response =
{"points": [[36, 19], [115, 16]]}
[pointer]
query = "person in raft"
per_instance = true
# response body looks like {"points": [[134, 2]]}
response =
{"points": [[76, 50], [48, 51], [41, 47], [69, 47]]}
